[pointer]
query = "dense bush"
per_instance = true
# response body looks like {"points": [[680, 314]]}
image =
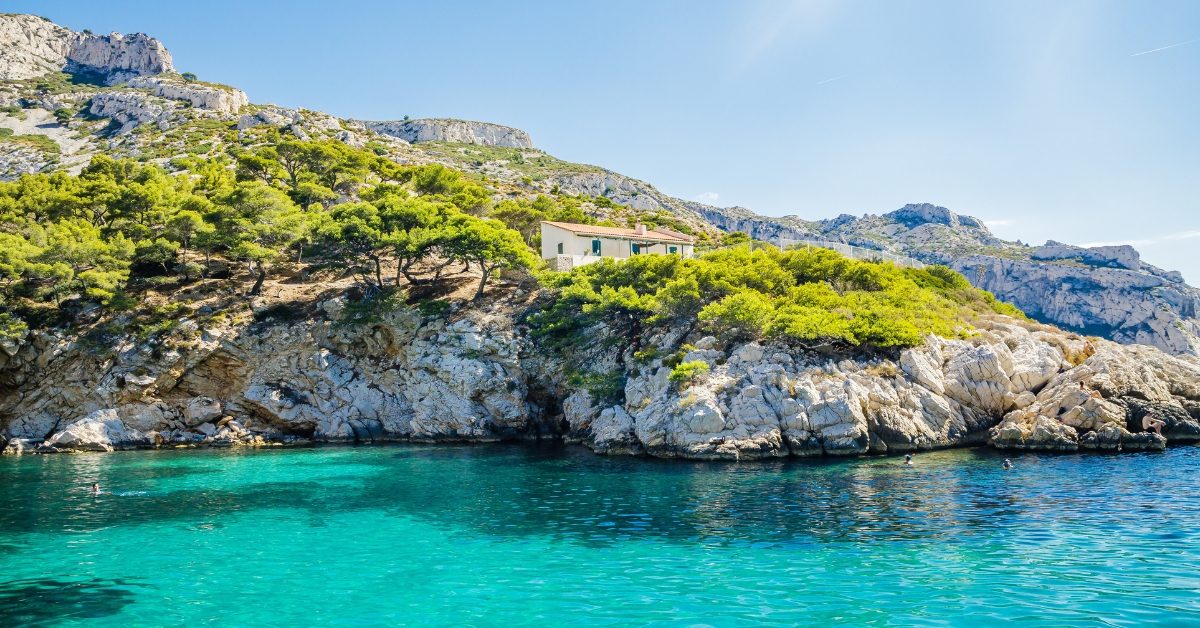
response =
{"points": [[809, 296]]}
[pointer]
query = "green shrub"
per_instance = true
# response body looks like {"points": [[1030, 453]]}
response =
{"points": [[734, 238], [605, 388], [742, 314], [688, 373], [808, 296], [11, 327], [646, 355]]}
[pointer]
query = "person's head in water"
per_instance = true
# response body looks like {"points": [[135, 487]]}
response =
{"points": [[907, 458], [95, 487], [1007, 463]]}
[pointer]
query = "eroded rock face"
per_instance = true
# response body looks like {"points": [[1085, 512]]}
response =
{"points": [[1128, 306], [402, 378], [32, 46], [130, 109], [474, 377], [459, 131], [221, 100], [1011, 386]]}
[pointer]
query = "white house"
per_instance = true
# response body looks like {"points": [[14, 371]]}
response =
{"points": [[568, 245]]}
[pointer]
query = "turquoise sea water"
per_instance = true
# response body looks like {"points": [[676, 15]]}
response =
{"points": [[517, 535]]}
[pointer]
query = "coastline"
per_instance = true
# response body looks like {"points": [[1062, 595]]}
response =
{"points": [[475, 377]]}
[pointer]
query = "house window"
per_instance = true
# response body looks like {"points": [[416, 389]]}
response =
{"points": [[560, 248], [635, 248], [673, 250], [595, 247]]}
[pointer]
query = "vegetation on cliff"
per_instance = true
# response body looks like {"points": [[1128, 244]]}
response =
{"points": [[810, 297], [283, 201], [84, 237]]}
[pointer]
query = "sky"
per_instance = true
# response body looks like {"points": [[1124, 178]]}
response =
{"points": [[1048, 119]]}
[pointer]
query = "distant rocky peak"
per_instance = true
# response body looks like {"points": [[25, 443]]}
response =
{"points": [[32, 46], [1119, 256], [446, 130], [917, 214]]}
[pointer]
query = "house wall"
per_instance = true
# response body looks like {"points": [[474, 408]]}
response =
{"points": [[581, 245]]}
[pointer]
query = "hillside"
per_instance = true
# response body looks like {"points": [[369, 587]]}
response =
{"points": [[59, 120], [181, 267]]}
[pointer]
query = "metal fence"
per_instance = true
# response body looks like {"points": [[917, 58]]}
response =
{"points": [[857, 252]]}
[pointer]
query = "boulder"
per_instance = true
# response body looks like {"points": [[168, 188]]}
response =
{"points": [[101, 430], [201, 410]]}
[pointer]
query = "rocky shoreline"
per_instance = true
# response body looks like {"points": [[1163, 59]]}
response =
{"points": [[476, 376]]}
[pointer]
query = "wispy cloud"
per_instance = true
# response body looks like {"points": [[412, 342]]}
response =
{"points": [[1184, 235], [1172, 237], [1003, 222], [777, 22], [830, 80], [708, 197], [1182, 43]]}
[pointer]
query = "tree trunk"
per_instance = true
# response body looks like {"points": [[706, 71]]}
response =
{"points": [[258, 281], [482, 283], [437, 274]]}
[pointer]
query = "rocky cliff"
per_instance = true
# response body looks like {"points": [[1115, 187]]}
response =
{"points": [[475, 376], [1013, 386], [457, 131], [31, 47]]}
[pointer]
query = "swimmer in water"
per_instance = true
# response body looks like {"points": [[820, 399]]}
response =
{"points": [[1007, 464], [95, 488], [908, 459]]}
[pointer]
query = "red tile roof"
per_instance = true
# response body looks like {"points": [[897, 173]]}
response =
{"points": [[658, 234]]}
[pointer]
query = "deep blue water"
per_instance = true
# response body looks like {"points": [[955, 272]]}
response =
{"points": [[517, 535]]}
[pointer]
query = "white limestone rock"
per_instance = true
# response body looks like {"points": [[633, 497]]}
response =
{"points": [[222, 100], [458, 131], [32, 46], [201, 410], [270, 116], [101, 430], [613, 433], [130, 109]]}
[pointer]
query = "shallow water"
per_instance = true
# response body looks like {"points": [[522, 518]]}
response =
{"points": [[517, 535]]}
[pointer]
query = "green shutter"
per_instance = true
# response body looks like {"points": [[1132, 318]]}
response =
{"points": [[595, 247]]}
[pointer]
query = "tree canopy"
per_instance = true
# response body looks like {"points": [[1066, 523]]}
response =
{"points": [[87, 236], [807, 296]]}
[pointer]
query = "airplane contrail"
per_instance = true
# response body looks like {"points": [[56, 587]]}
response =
{"points": [[1182, 43], [830, 80]]}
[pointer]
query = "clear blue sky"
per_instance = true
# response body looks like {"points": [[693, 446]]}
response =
{"points": [[1076, 121]]}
